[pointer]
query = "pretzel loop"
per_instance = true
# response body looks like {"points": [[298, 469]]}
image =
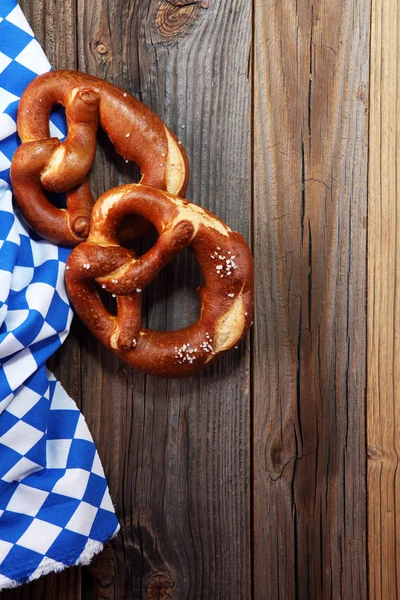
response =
{"points": [[44, 164], [226, 296]]}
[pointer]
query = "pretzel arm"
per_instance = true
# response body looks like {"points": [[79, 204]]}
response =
{"points": [[128, 321], [140, 272], [71, 162], [87, 302], [91, 260], [53, 223], [80, 204]]}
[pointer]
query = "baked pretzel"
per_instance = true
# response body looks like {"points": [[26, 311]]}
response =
{"points": [[44, 163], [226, 296]]}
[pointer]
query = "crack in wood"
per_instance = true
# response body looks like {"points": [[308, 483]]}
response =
{"points": [[182, 4]]}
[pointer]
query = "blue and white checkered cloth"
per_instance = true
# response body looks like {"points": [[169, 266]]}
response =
{"points": [[55, 507]]}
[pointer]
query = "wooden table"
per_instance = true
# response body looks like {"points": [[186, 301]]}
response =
{"points": [[253, 479]]}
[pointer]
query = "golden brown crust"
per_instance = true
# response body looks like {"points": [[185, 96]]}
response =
{"points": [[226, 296], [44, 163]]}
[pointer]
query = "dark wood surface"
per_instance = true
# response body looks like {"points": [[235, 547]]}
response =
{"points": [[311, 86], [249, 480]]}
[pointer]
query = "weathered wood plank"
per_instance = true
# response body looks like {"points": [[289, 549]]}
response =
{"points": [[177, 454], [54, 24], [383, 397], [310, 208], [179, 463]]}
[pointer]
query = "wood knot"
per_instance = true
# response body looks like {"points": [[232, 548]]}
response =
{"points": [[374, 454], [160, 587], [101, 48], [277, 456], [103, 569], [175, 17]]}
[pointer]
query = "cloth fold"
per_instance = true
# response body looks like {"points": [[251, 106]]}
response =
{"points": [[55, 506]]}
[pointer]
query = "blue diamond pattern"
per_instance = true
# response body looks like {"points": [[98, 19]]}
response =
{"points": [[44, 442]]}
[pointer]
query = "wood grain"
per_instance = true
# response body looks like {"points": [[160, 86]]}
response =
{"points": [[310, 209], [177, 454], [383, 422], [200, 507]]}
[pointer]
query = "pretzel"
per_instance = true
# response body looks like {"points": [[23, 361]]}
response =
{"points": [[226, 296], [43, 163]]}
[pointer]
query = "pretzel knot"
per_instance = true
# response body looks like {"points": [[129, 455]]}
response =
{"points": [[226, 296], [43, 163]]}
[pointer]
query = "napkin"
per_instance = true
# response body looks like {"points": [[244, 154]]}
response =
{"points": [[55, 506]]}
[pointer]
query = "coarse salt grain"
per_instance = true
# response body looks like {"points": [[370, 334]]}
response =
{"points": [[185, 354]]}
